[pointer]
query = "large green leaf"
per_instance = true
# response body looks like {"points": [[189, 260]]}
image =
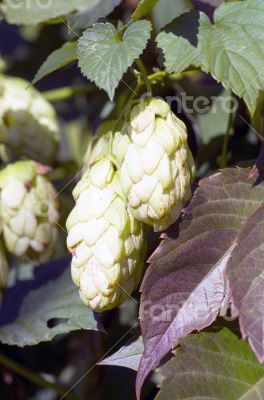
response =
{"points": [[143, 9], [33, 12], [232, 49], [57, 59], [216, 366], [30, 316], [104, 55], [178, 43], [167, 10]]}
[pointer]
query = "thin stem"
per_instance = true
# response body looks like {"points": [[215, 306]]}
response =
{"points": [[144, 75], [34, 377], [124, 27], [66, 92], [155, 77], [127, 103], [63, 171], [7, 153], [110, 143], [224, 156]]}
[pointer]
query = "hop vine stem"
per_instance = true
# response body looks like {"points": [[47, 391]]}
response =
{"points": [[224, 156], [144, 75], [34, 377], [152, 78], [66, 92]]}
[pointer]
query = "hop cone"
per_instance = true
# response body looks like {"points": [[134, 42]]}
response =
{"points": [[28, 123], [100, 144], [106, 241], [158, 168], [29, 211]]}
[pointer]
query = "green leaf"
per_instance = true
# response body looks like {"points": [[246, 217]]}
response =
{"points": [[54, 301], [57, 59], [104, 56], [167, 10], [232, 49], [33, 12], [178, 43], [84, 19], [144, 7], [218, 366]]}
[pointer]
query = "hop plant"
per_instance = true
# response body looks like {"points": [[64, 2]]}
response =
{"points": [[158, 167], [106, 241], [29, 210], [28, 123]]}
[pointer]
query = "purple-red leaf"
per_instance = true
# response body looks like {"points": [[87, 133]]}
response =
{"points": [[245, 273], [183, 288]]}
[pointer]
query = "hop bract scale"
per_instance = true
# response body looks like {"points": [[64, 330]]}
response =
{"points": [[104, 141]]}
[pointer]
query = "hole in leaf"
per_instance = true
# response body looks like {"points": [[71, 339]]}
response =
{"points": [[51, 323]]}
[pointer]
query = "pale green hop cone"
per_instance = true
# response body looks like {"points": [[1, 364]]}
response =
{"points": [[29, 210], [158, 167], [106, 241], [28, 123], [105, 141]]}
